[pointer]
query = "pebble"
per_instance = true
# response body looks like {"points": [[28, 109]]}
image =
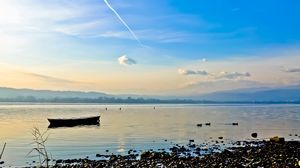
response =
{"points": [[254, 154], [254, 135], [207, 124], [199, 125]]}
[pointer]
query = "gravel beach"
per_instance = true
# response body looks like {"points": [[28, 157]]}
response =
{"points": [[244, 154]]}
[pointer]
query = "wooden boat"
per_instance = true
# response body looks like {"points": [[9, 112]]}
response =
{"points": [[71, 122]]}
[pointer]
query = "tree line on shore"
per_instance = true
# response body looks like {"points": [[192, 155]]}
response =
{"points": [[129, 100]]}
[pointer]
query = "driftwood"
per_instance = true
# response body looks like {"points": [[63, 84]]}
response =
{"points": [[2, 150]]}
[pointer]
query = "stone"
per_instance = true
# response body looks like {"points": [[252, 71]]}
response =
{"points": [[145, 155], [254, 135]]}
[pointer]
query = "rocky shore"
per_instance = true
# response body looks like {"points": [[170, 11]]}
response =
{"points": [[243, 154]]}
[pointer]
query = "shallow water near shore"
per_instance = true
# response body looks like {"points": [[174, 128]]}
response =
{"points": [[139, 127]]}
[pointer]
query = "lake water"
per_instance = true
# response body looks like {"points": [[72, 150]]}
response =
{"points": [[139, 127]]}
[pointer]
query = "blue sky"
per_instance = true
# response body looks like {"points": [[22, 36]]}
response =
{"points": [[182, 46]]}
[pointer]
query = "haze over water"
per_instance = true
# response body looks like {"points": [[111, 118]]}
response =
{"points": [[139, 127]]}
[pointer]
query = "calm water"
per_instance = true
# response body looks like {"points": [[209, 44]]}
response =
{"points": [[138, 127]]}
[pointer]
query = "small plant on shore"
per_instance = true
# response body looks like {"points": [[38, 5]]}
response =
{"points": [[39, 139], [1, 154]]}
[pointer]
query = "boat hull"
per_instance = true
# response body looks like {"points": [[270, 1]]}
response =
{"points": [[71, 122]]}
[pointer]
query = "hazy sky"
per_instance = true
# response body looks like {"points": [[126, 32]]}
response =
{"points": [[149, 46]]}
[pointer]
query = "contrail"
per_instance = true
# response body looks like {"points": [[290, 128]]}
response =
{"points": [[124, 23]]}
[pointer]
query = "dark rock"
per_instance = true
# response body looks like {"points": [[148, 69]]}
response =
{"points": [[154, 155], [199, 125], [191, 140], [281, 140], [113, 158], [253, 154], [197, 153], [207, 124], [192, 145], [1, 162], [68, 161], [254, 135], [59, 161], [235, 123], [220, 137], [277, 139], [145, 155]]}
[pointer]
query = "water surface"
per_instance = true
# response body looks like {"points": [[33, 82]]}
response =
{"points": [[139, 127]]}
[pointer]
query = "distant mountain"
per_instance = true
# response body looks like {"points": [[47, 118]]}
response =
{"points": [[46, 94], [282, 94], [259, 94]]}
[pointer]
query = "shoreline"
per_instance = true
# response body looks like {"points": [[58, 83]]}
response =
{"points": [[242, 154]]}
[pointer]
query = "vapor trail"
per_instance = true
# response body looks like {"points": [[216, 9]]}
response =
{"points": [[124, 23]]}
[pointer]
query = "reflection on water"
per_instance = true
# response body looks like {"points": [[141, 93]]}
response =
{"points": [[139, 127]]}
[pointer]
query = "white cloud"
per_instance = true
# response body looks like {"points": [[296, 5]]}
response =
{"points": [[124, 60], [191, 72], [292, 70], [233, 75], [200, 87]]}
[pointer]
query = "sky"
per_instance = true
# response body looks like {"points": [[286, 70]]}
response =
{"points": [[170, 47]]}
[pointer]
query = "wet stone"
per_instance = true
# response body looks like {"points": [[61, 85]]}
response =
{"points": [[254, 135], [253, 154], [199, 125]]}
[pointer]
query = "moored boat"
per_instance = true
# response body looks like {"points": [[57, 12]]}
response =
{"points": [[71, 122]]}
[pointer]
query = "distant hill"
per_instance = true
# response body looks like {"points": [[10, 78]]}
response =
{"points": [[46, 94], [262, 94], [283, 94]]}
